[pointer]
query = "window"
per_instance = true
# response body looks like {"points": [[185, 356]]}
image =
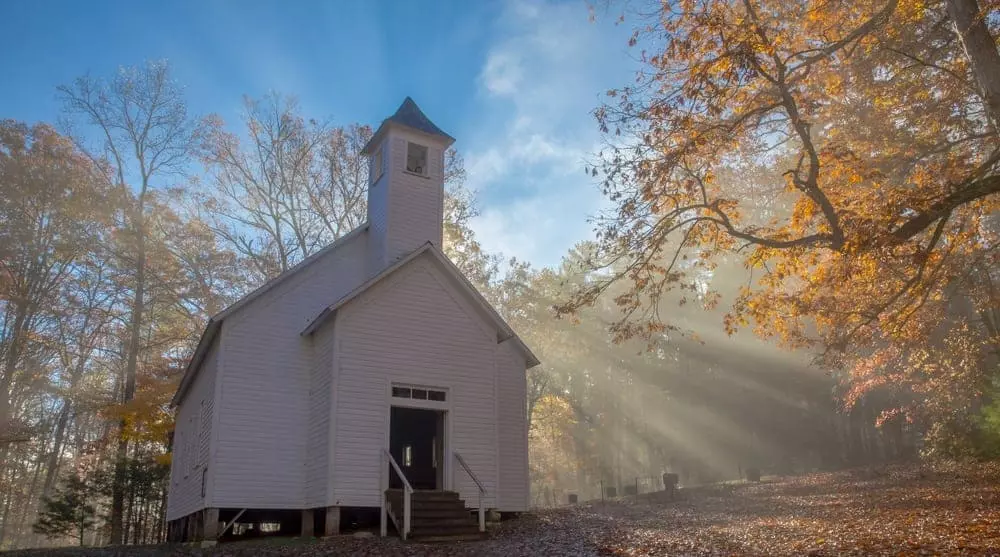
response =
{"points": [[376, 170], [418, 394], [204, 472], [437, 396], [401, 392], [416, 158]]}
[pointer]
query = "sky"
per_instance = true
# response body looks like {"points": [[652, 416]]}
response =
{"points": [[514, 81]]}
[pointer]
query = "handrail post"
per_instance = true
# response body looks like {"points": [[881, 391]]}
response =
{"points": [[406, 512], [407, 492], [383, 487], [482, 490], [482, 514]]}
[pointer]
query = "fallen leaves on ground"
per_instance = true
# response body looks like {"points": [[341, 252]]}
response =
{"points": [[950, 510], [947, 510]]}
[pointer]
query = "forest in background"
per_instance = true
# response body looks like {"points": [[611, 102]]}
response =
{"points": [[127, 224]]}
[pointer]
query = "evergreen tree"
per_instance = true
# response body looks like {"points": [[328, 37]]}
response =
{"points": [[70, 510]]}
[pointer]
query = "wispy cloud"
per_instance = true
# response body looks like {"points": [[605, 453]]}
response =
{"points": [[539, 82], [502, 74]]}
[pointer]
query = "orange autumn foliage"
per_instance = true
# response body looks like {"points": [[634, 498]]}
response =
{"points": [[847, 154]]}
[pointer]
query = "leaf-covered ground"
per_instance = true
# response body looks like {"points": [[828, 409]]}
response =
{"points": [[951, 510]]}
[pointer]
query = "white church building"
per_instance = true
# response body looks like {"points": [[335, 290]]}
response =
{"points": [[371, 377]]}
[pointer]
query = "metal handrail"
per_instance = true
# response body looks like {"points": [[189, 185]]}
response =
{"points": [[407, 492], [482, 490]]}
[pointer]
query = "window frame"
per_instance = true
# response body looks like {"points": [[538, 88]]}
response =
{"points": [[427, 160], [429, 394]]}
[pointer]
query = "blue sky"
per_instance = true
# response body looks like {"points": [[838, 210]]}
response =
{"points": [[513, 80]]}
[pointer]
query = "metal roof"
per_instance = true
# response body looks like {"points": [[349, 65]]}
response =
{"points": [[410, 116]]}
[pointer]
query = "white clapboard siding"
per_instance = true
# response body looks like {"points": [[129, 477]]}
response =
{"points": [[512, 414], [414, 327], [265, 411], [192, 440], [415, 203], [300, 421], [320, 389]]}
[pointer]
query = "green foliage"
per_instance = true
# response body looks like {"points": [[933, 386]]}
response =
{"points": [[989, 427], [952, 439], [70, 511], [964, 435]]}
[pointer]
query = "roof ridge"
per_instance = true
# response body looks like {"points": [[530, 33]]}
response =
{"points": [[272, 282], [452, 270], [215, 321]]}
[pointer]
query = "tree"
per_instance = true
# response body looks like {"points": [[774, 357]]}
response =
{"points": [[460, 243], [69, 511], [50, 208], [140, 117], [295, 186], [86, 312], [846, 153]]}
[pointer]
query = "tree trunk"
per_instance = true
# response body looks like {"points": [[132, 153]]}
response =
{"points": [[161, 514], [981, 49], [135, 337], [65, 412], [52, 466], [27, 505], [11, 360], [8, 497]]}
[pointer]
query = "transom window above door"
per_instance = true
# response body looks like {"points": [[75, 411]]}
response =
{"points": [[419, 393]]}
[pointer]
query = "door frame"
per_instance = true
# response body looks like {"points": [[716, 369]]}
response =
{"points": [[442, 408]]}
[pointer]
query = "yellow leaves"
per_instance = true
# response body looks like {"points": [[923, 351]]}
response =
{"points": [[853, 141], [552, 448], [555, 409], [759, 257], [911, 11], [147, 416], [833, 83], [803, 215], [720, 66], [866, 267]]}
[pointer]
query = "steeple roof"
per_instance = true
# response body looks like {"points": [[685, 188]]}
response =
{"points": [[409, 115]]}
